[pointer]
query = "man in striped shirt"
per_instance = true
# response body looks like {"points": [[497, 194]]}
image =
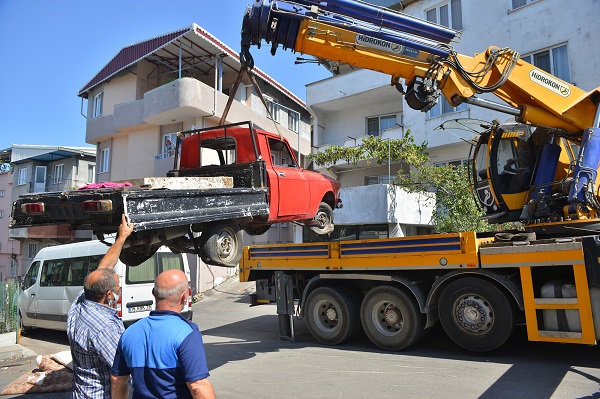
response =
{"points": [[93, 326]]}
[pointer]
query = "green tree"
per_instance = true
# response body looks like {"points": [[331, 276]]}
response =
{"points": [[455, 208]]}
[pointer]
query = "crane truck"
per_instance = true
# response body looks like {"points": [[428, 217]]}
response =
{"points": [[541, 170]]}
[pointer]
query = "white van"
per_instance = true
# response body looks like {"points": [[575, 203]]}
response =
{"points": [[56, 275]]}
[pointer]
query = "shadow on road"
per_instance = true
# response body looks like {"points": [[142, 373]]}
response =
{"points": [[535, 369]]}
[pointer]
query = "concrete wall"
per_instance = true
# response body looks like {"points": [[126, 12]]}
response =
{"points": [[383, 203]]}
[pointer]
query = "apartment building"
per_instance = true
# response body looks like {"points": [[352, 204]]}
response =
{"points": [[31, 169], [175, 82], [356, 103]]}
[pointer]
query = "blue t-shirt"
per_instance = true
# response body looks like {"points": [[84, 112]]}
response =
{"points": [[162, 352]]}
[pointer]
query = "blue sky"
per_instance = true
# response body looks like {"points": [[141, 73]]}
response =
{"points": [[51, 49]]}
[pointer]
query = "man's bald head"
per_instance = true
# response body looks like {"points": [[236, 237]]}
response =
{"points": [[98, 283], [169, 287]]}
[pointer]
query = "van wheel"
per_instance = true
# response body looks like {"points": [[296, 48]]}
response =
{"points": [[323, 219], [221, 243], [137, 255]]}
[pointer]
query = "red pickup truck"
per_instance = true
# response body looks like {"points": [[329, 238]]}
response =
{"points": [[266, 186]]}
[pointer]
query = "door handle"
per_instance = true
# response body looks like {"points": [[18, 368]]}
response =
{"points": [[281, 174]]}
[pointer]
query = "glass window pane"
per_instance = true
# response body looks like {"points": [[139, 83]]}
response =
{"points": [[431, 15], [446, 107], [444, 20], [436, 110], [542, 61], [456, 11], [518, 3], [560, 61], [142, 273], [171, 261], [526, 58], [387, 122], [373, 126]]}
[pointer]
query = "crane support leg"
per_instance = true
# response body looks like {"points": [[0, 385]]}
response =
{"points": [[285, 307], [583, 187]]}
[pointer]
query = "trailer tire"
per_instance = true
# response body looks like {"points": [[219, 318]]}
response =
{"points": [[476, 314], [134, 256], [331, 315], [323, 219], [221, 243], [391, 319]]}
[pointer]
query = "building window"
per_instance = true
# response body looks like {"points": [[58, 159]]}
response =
{"points": [[168, 144], [520, 3], [97, 105], [91, 176], [2, 193], [58, 173], [443, 107], [273, 109], [377, 124], [370, 180], [448, 15], [1, 214], [104, 159], [31, 250], [457, 163], [22, 177], [554, 60], [293, 121]]}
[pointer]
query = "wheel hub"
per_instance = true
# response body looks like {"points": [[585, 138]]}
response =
{"points": [[225, 244], [331, 314], [392, 316], [474, 314]]}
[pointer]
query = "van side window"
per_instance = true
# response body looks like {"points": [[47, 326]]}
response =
{"points": [[146, 272], [55, 273], [31, 276]]}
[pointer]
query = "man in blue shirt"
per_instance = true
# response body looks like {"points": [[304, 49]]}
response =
{"points": [[163, 352], [93, 326]]}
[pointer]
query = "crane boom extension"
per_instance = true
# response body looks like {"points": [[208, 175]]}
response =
{"points": [[421, 53]]}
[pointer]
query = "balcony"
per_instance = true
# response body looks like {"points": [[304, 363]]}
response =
{"points": [[383, 203]]}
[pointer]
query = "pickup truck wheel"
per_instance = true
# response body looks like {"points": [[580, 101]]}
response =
{"points": [[331, 315], [391, 319], [476, 314], [134, 256], [323, 219], [221, 244]]}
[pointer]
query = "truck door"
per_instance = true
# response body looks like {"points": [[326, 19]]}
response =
{"points": [[28, 296], [294, 191]]}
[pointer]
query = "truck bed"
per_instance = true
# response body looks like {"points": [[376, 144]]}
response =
{"points": [[147, 208]]}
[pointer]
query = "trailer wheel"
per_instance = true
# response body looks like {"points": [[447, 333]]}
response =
{"points": [[134, 256], [221, 243], [331, 315], [323, 219], [391, 319], [476, 314]]}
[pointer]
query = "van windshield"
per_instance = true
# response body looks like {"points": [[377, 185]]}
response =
{"points": [[147, 271]]}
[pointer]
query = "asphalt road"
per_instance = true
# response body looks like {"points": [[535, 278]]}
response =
{"points": [[247, 361]]}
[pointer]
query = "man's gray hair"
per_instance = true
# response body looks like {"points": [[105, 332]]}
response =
{"points": [[105, 280], [169, 293]]}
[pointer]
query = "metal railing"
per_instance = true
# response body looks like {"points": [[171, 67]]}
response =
{"points": [[9, 308]]}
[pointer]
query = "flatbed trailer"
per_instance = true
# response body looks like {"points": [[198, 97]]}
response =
{"points": [[396, 288]]}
